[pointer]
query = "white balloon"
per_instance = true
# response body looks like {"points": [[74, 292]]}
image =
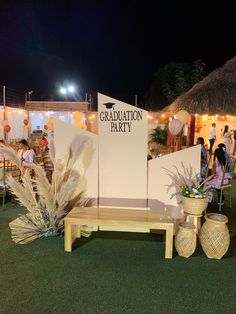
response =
{"points": [[175, 126], [182, 116]]}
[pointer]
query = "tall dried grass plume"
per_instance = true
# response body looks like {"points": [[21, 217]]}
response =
{"points": [[49, 202]]}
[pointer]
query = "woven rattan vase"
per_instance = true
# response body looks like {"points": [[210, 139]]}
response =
{"points": [[214, 235], [194, 206], [185, 239]]}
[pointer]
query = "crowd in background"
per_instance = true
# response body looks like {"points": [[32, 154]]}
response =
{"points": [[214, 161]]}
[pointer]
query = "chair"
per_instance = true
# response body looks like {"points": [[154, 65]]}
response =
{"points": [[226, 182], [2, 182], [48, 167], [6, 168]]}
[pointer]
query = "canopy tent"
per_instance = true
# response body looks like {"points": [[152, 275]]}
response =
{"points": [[213, 99], [57, 106], [37, 114]]}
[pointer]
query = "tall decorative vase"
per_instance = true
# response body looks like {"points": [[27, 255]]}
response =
{"points": [[185, 239], [214, 235]]}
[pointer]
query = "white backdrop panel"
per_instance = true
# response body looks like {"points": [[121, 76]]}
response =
{"points": [[122, 154], [158, 180], [64, 135]]}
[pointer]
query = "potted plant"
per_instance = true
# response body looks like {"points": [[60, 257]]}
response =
{"points": [[192, 192]]}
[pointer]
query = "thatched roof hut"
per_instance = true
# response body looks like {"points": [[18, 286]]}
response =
{"points": [[215, 94]]}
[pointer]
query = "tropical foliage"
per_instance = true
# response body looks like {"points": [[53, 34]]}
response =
{"points": [[159, 135], [173, 80]]}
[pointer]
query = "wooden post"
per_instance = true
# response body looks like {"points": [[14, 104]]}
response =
{"points": [[179, 141], [4, 110], [191, 130], [168, 143]]}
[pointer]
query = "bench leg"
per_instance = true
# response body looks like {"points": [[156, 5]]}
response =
{"points": [[67, 236], [169, 242], [71, 232]]}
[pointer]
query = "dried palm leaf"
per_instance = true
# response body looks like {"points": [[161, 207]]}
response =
{"points": [[12, 155], [23, 230], [51, 147], [23, 195], [48, 203], [44, 189]]}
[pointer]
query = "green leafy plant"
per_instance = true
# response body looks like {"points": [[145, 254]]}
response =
{"points": [[159, 135]]}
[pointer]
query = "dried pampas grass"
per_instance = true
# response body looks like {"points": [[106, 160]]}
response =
{"points": [[49, 202], [11, 154]]}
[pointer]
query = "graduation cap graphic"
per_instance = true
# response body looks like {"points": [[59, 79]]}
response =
{"points": [[109, 105]]}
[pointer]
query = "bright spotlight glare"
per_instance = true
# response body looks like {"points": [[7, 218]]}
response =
{"points": [[63, 90], [71, 89]]}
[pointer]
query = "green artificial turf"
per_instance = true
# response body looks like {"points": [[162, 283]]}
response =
{"points": [[112, 272]]}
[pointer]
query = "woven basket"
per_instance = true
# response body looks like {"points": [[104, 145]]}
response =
{"points": [[194, 206], [214, 235], [185, 239]]}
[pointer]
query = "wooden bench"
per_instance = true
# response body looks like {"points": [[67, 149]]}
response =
{"points": [[110, 219]]}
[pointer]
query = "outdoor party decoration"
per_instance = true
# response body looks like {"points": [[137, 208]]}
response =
{"points": [[185, 239], [7, 128], [182, 116], [49, 202], [78, 120], [198, 128], [189, 190], [175, 126], [26, 124], [78, 115], [50, 123], [222, 118], [78, 124], [214, 235], [122, 128]]}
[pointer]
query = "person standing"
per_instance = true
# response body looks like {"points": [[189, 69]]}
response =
{"points": [[204, 161], [212, 136], [219, 173], [234, 151], [26, 154], [227, 138]]}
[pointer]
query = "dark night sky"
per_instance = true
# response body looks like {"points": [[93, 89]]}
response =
{"points": [[113, 47]]}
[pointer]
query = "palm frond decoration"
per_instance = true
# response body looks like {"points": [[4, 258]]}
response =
{"points": [[51, 147], [11, 154], [49, 202]]}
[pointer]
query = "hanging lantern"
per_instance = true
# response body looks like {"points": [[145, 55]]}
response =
{"points": [[175, 126], [7, 128], [182, 116], [26, 122], [198, 128], [222, 118]]}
